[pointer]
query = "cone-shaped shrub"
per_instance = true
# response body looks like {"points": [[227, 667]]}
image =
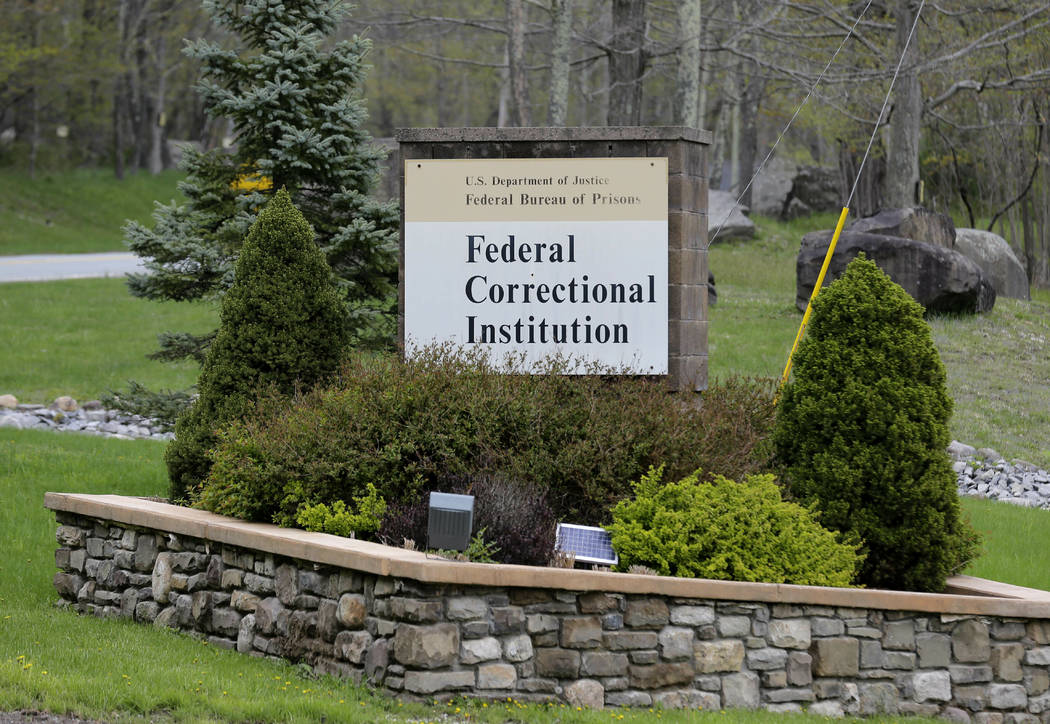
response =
{"points": [[283, 324], [862, 432]]}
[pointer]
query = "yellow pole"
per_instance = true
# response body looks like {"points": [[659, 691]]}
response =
{"points": [[813, 295]]}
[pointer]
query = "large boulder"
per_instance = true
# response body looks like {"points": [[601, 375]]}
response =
{"points": [[787, 190], [940, 279], [813, 189], [997, 260], [914, 223], [727, 217], [772, 186]]}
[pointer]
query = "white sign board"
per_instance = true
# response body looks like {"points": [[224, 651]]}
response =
{"points": [[539, 256]]}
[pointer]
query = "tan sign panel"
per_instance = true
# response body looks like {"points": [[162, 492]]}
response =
{"points": [[554, 189]]}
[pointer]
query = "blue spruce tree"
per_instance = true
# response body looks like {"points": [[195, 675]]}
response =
{"points": [[294, 101]]}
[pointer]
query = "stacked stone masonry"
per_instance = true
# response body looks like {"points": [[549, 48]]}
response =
{"points": [[591, 649]]}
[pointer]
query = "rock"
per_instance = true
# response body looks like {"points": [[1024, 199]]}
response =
{"points": [[351, 610], [939, 278], [476, 650], [766, 658], [557, 663], [970, 642], [692, 615], [586, 694], [716, 656], [997, 260], [161, 578], [658, 676], [353, 645], [427, 647], [428, 682], [517, 648], [961, 451], [727, 218], [688, 699], [466, 608], [246, 634], [772, 186], [790, 633], [498, 676], [676, 643], [646, 613], [931, 686], [828, 709], [1007, 696], [734, 626], [836, 656], [813, 189], [741, 691], [917, 224], [584, 632], [603, 663], [65, 404], [8, 402]]}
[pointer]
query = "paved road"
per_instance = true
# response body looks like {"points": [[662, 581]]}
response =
{"points": [[46, 267]]}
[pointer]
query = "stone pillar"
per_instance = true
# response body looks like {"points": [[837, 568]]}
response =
{"points": [[686, 152]]}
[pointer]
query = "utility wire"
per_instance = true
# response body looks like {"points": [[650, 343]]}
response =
{"points": [[845, 211], [799, 110]]}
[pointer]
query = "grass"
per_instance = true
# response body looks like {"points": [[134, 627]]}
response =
{"points": [[1014, 539], [76, 211], [85, 337], [998, 363]]}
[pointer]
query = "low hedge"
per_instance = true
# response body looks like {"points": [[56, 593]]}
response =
{"points": [[406, 425], [727, 530]]}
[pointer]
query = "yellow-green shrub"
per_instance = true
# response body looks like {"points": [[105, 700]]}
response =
{"points": [[727, 530]]}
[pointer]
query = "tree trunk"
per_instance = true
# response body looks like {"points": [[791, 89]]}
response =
{"points": [[687, 76], [749, 135], [902, 155], [627, 61], [519, 87], [156, 157], [561, 31]]}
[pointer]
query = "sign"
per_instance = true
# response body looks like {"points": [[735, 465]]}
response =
{"points": [[539, 256]]}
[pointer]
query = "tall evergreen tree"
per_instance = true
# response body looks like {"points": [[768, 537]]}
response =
{"points": [[294, 102]]}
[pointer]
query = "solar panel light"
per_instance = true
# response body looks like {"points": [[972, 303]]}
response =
{"points": [[450, 521], [589, 544]]}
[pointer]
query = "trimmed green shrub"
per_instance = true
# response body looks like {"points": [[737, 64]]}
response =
{"points": [[404, 426], [726, 530], [283, 324], [862, 432], [340, 520]]}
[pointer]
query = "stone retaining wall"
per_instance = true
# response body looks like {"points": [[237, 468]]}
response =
{"points": [[624, 642]]}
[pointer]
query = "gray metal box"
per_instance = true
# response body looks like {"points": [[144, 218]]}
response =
{"points": [[450, 521]]}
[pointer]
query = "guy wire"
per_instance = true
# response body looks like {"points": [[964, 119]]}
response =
{"points": [[798, 110], [885, 102]]}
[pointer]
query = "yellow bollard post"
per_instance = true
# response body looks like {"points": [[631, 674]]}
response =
{"points": [[812, 296]]}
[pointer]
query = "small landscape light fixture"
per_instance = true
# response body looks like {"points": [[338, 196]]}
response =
{"points": [[450, 520]]}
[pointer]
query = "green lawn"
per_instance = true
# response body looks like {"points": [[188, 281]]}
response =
{"points": [[76, 211], [85, 337], [998, 363]]}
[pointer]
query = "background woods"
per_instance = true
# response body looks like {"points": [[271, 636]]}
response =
{"points": [[86, 82]]}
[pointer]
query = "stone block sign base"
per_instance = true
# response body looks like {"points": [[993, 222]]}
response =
{"points": [[422, 628], [686, 152]]}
